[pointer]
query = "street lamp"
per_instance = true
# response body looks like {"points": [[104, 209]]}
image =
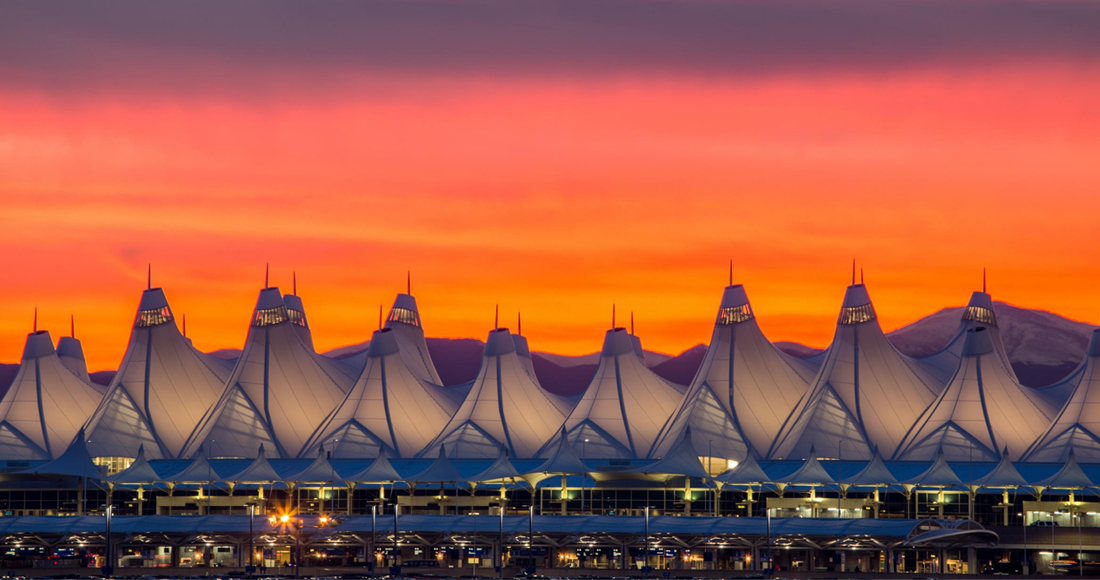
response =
{"points": [[108, 569], [584, 477], [251, 535]]}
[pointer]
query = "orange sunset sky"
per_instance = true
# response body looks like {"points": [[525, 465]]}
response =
{"points": [[554, 158]]}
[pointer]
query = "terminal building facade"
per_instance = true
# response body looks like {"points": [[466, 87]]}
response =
{"points": [[857, 458]]}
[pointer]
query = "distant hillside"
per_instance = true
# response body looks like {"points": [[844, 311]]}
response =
{"points": [[681, 368], [1042, 346]]}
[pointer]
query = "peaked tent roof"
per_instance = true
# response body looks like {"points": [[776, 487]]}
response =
{"points": [[746, 472], [140, 471], [523, 351], [939, 474], [866, 394], [76, 461], [379, 471], [163, 388], [681, 459], [71, 353], [978, 312], [504, 408], [279, 391], [1003, 475], [1070, 476], [1076, 426], [501, 469], [388, 409], [982, 410], [320, 471], [810, 473], [874, 473], [45, 406], [259, 471], [564, 459], [625, 407], [442, 470], [404, 319], [734, 418], [296, 310], [200, 470]]}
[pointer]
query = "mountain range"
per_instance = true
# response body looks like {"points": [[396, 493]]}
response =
{"points": [[1042, 346]]}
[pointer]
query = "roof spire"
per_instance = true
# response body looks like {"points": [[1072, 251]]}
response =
{"points": [[408, 282], [35, 327], [379, 317], [294, 283], [72, 325], [185, 325], [731, 271], [267, 275], [983, 280], [853, 271], [519, 323], [496, 317], [149, 277], [861, 275], [612, 316], [632, 323]]}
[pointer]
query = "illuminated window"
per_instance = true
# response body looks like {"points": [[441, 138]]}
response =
{"points": [[404, 315], [734, 314], [857, 314], [297, 317], [113, 464], [153, 317], [270, 316], [980, 314]]}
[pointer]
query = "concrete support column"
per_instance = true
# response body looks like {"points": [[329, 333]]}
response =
{"points": [[971, 561]]}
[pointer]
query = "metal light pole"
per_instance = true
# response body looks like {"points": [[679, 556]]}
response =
{"points": [[500, 546], [584, 476], [297, 525], [373, 533], [769, 528], [251, 535], [396, 546], [645, 556], [840, 486], [107, 568]]}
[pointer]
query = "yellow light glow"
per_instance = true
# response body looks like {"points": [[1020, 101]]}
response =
{"points": [[284, 518]]}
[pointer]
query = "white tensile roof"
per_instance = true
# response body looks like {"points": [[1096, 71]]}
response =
{"points": [[504, 408], [404, 319], [978, 312], [866, 393], [982, 410], [71, 353], [875, 473], [624, 408], [45, 406], [161, 391], [1004, 475], [389, 408], [1076, 427], [681, 459], [297, 312], [939, 474], [139, 472], [731, 419], [278, 394]]}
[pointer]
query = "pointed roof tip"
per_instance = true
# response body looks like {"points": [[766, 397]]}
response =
{"points": [[731, 271], [631, 323], [861, 275], [34, 326], [294, 283], [149, 277], [612, 316], [72, 325], [983, 280], [379, 317], [853, 271], [496, 317], [519, 323], [408, 282], [185, 325], [267, 275]]}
